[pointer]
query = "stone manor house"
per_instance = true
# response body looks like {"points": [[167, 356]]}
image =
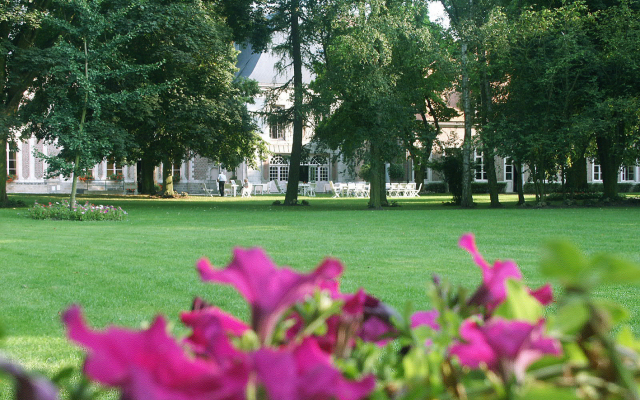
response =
{"points": [[27, 172]]}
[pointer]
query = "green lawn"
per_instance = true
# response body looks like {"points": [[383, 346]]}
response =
{"points": [[126, 272]]}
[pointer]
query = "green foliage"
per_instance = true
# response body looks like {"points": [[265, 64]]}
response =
{"points": [[566, 263], [483, 187], [396, 172], [202, 107], [370, 82], [86, 212], [451, 167]]}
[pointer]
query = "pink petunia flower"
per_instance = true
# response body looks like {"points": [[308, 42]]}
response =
{"points": [[150, 365], [428, 318], [306, 373], [270, 291], [505, 347], [493, 290], [210, 327]]}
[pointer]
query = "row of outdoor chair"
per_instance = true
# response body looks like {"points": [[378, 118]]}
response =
{"points": [[403, 189], [350, 189]]}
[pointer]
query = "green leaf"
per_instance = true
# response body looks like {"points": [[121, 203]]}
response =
{"points": [[614, 312], [563, 261], [540, 390], [570, 317], [615, 270], [415, 364], [519, 304], [627, 339]]}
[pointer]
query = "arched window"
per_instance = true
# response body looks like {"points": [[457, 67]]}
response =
{"points": [[278, 169], [318, 169]]}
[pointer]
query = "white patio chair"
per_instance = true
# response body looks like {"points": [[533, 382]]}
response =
{"points": [[246, 191], [351, 189], [282, 189], [401, 188], [393, 190], [367, 190], [414, 192], [359, 190], [409, 189], [312, 189], [207, 191], [228, 189], [335, 188]]}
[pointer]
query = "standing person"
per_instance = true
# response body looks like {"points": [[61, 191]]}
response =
{"points": [[222, 179]]}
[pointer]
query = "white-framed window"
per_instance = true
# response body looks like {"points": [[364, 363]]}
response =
{"points": [[175, 170], [278, 169], [276, 124], [12, 163], [508, 169], [597, 172], [114, 170], [318, 169], [628, 173], [481, 172]]}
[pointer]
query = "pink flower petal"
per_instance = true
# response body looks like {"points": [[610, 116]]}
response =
{"points": [[269, 291], [493, 290], [428, 318], [506, 347], [543, 294], [151, 365], [306, 373], [210, 327]]}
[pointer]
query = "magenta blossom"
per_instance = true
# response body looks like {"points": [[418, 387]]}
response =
{"points": [[150, 365], [493, 290], [505, 347], [306, 373], [210, 328], [428, 318], [270, 291]]}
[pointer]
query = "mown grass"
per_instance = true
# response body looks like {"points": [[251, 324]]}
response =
{"points": [[127, 272]]}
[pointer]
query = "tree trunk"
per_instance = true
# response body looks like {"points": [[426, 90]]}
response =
{"points": [[167, 178], [420, 173], [4, 199], [466, 200], [146, 182], [517, 181], [76, 165], [74, 181], [291, 198], [490, 167], [488, 135], [378, 193], [609, 166], [577, 175]]}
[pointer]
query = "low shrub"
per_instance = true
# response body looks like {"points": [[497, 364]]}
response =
{"points": [[434, 187], [87, 212], [483, 187]]}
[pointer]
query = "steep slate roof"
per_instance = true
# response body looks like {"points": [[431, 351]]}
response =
{"points": [[261, 67]]}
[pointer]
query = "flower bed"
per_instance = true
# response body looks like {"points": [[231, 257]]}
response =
{"points": [[306, 340], [86, 212]]}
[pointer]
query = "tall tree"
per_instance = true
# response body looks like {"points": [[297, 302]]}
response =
{"points": [[23, 33], [381, 68], [461, 16], [76, 102], [614, 113], [294, 20], [203, 107]]}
